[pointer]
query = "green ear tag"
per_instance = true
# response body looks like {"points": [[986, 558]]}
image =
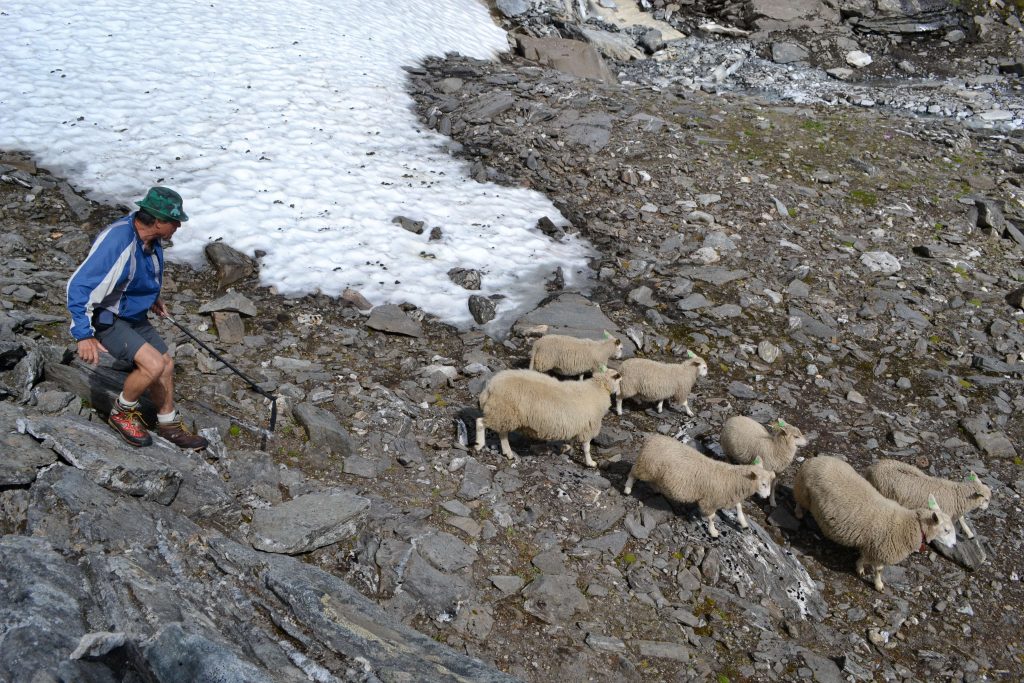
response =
{"points": [[602, 368], [782, 423], [932, 505], [757, 461], [606, 335], [690, 354], [972, 477]]}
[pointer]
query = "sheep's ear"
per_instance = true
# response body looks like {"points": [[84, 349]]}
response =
{"points": [[690, 354], [781, 422], [757, 461], [972, 477], [751, 475], [932, 503], [602, 368], [606, 335], [935, 517]]}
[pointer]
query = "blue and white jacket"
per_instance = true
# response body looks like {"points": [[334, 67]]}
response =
{"points": [[117, 275]]}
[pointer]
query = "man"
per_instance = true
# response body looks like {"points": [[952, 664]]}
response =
{"points": [[110, 296]]}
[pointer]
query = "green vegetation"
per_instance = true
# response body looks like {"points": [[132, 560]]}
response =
{"points": [[864, 197], [234, 431]]}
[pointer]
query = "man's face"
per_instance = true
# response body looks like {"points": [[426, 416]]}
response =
{"points": [[166, 229]]}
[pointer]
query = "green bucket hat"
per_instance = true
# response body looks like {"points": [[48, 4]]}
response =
{"points": [[164, 203]]}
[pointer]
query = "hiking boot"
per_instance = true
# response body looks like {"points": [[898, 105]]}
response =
{"points": [[177, 433], [129, 425]]}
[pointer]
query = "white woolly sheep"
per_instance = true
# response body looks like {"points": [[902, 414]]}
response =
{"points": [[910, 487], [744, 439], [541, 406], [851, 512], [571, 355], [685, 475], [650, 380]]}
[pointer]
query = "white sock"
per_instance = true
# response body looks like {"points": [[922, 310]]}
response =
{"points": [[167, 418], [122, 402]]}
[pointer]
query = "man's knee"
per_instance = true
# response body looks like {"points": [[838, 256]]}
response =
{"points": [[152, 362]]}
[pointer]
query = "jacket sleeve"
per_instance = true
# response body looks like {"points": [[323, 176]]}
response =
{"points": [[98, 276]]}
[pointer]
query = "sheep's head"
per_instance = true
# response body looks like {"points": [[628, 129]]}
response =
{"points": [[936, 524], [982, 494], [763, 478], [791, 432], [609, 378], [693, 360]]}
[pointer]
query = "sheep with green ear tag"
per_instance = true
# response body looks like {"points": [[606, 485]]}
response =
{"points": [[573, 356], [685, 475], [910, 487], [851, 512], [649, 380], [744, 439]]}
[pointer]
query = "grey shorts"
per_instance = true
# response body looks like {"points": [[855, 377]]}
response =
{"points": [[124, 338]]}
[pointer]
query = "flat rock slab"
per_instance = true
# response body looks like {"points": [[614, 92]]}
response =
{"points": [[391, 318], [445, 551], [96, 450], [554, 598], [177, 656], [968, 553], [307, 522], [22, 458], [41, 613], [235, 302], [573, 315]]}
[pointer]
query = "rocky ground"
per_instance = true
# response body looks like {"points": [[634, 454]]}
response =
{"points": [[855, 271]]}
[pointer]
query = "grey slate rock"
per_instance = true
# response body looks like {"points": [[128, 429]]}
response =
{"points": [[476, 480], [554, 598], [438, 592], [323, 429], [574, 315], [22, 457], [41, 613], [231, 265], [104, 458], [307, 522], [177, 656], [445, 551], [787, 53], [482, 308], [232, 301], [467, 278], [413, 226], [391, 318]]}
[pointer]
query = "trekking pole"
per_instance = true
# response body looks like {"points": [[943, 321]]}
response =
{"points": [[260, 390]]}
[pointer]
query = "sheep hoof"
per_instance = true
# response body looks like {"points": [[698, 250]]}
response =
{"points": [[879, 586]]}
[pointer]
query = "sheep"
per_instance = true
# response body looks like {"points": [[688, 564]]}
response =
{"points": [[744, 439], [571, 355], [543, 407], [653, 381], [685, 475], [851, 512], [910, 487]]}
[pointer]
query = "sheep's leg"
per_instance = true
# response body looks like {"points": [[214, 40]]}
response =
{"points": [[711, 525], [628, 488], [798, 511], [967, 529], [480, 434], [686, 407], [618, 404], [879, 586], [660, 405], [586, 454], [771, 497], [741, 517], [581, 377], [506, 449], [862, 566]]}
